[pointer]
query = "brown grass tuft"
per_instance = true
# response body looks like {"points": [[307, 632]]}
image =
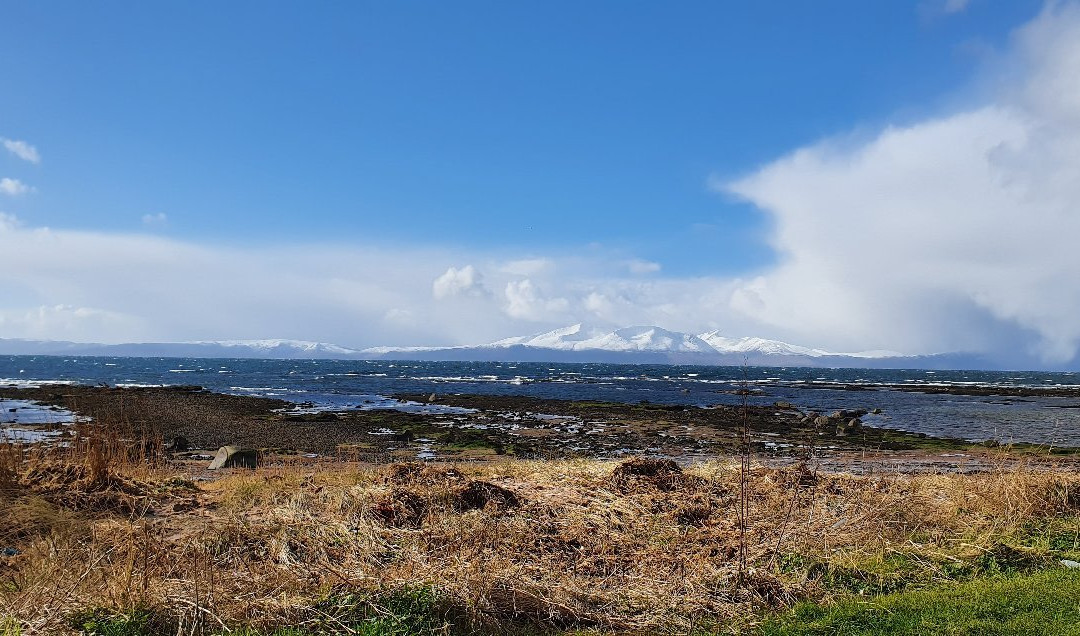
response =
{"points": [[640, 546]]}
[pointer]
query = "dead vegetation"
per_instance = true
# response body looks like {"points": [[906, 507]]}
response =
{"points": [[639, 546]]}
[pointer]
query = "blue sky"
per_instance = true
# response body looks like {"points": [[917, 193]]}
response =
{"points": [[601, 142], [531, 126]]}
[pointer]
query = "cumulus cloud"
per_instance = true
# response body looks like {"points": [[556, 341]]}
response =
{"points": [[22, 150], [524, 300], [155, 220], [466, 281], [13, 187], [941, 234], [638, 266]]}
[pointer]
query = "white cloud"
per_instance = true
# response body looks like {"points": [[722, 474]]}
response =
{"points": [[525, 301], [937, 9], [8, 222], [156, 288], [940, 234], [527, 267], [466, 281], [598, 304], [398, 316], [955, 6], [638, 266], [22, 150], [155, 220], [66, 322], [13, 187]]}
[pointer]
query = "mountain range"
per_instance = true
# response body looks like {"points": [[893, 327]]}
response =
{"points": [[576, 343]]}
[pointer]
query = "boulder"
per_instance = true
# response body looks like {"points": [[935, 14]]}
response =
{"points": [[178, 444], [822, 421], [842, 427], [234, 457], [847, 414]]}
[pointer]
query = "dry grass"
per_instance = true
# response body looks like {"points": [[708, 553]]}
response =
{"points": [[637, 547]]}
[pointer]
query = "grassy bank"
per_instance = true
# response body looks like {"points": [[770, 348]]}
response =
{"points": [[1043, 603], [95, 540]]}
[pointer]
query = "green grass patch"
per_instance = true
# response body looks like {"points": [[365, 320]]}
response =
{"points": [[9, 626], [1043, 603], [105, 622], [407, 611], [1057, 535]]}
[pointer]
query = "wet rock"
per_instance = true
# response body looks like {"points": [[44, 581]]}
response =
{"points": [[844, 427], [234, 457], [782, 404], [846, 414], [178, 444]]}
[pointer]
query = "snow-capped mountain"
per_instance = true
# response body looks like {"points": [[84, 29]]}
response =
{"points": [[723, 344], [640, 344], [774, 347], [286, 349], [579, 338], [293, 347], [576, 343]]}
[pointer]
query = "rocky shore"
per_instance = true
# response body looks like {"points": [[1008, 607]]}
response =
{"points": [[478, 427]]}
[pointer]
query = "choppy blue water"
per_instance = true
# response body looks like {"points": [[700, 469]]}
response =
{"points": [[347, 384]]}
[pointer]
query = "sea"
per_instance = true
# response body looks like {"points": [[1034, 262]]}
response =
{"points": [[362, 384]]}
